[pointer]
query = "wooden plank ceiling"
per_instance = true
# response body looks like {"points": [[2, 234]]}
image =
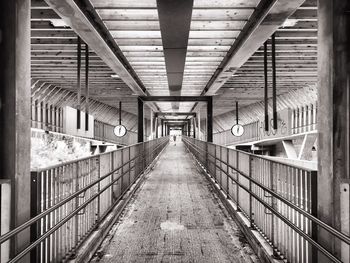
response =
{"points": [[215, 26], [54, 60], [296, 63]]}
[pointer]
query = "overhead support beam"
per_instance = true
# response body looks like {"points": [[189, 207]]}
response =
{"points": [[268, 16], [175, 120], [175, 114], [81, 16], [176, 98], [175, 23]]}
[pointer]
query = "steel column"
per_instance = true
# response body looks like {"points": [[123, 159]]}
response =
{"points": [[86, 87], [78, 83], [139, 120], [266, 90], [210, 119], [274, 94], [162, 124]]}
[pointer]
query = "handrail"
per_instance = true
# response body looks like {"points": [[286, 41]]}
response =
{"points": [[160, 143], [332, 230], [193, 147]]}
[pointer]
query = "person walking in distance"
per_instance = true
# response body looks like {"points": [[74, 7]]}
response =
{"points": [[174, 138]]}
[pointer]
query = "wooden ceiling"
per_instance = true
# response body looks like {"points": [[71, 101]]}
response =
{"points": [[135, 28], [296, 63], [54, 60], [215, 26]]}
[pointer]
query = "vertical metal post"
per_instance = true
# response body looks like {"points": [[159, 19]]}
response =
{"points": [[46, 107], [76, 217], [314, 203], [120, 112], [78, 82], [236, 112], [99, 189], [157, 124], [162, 124], [210, 119], [274, 94], [273, 185], [189, 128], [237, 177], [34, 211], [251, 214], [266, 101], [86, 87], [140, 120], [194, 127], [227, 173]]}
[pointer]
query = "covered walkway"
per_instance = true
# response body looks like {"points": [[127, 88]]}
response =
{"points": [[175, 217]]}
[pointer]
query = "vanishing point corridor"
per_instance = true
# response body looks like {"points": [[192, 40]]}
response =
{"points": [[175, 217]]}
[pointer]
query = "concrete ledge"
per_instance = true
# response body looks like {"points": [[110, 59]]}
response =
{"points": [[90, 245], [259, 245]]}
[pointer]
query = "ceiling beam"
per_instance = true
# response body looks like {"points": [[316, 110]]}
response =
{"points": [[175, 22], [266, 19], [87, 26], [176, 98]]}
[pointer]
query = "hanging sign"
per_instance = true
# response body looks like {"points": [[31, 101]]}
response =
{"points": [[120, 130]]}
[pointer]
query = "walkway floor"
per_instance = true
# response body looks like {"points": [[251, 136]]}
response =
{"points": [[175, 217]]}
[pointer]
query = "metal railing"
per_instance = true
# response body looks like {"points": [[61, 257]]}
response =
{"points": [[105, 132], [5, 216], [304, 119], [279, 200], [46, 116], [251, 133], [69, 200]]}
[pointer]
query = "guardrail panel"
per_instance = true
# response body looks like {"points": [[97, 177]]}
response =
{"points": [[70, 199], [280, 200]]}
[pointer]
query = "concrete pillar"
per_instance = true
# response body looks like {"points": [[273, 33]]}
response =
{"points": [[15, 111], [333, 121]]}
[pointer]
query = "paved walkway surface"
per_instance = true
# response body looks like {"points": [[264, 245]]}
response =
{"points": [[175, 217]]}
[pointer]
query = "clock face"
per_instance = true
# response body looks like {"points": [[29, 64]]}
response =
{"points": [[237, 130], [120, 130]]}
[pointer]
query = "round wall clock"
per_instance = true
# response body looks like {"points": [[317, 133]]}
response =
{"points": [[120, 130], [237, 130]]}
